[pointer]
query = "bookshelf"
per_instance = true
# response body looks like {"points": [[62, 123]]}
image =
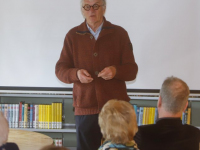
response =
{"points": [[150, 100], [68, 131]]}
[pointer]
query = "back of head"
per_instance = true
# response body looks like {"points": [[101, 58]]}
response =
{"points": [[53, 147], [174, 94], [117, 121], [4, 129]]}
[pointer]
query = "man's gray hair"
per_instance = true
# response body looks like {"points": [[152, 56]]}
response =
{"points": [[103, 1], [174, 94]]}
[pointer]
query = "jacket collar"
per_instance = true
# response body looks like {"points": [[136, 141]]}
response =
{"points": [[169, 122], [106, 29]]}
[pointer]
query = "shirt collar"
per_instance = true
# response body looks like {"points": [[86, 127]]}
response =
{"points": [[98, 30]]}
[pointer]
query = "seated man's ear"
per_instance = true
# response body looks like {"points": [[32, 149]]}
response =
{"points": [[159, 103], [185, 107]]}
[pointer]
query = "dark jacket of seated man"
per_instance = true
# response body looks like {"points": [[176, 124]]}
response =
{"points": [[169, 133], [9, 146]]}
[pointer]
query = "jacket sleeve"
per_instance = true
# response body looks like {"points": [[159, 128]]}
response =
{"points": [[137, 138], [65, 70], [128, 68]]}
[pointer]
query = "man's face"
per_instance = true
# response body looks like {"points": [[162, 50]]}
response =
{"points": [[93, 16]]}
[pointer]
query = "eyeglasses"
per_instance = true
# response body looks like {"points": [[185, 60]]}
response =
{"points": [[95, 7]]}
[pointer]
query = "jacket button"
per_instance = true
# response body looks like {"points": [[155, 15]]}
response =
{"points": [[96, 72], [91, 37], [95, 54]]}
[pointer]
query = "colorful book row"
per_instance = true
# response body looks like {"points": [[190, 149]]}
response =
{"points": [[39, 116], [11, 113], [186, 116], [149, 115]]}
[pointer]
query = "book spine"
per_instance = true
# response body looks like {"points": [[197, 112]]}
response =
{"points": [[9, 116], [13, 115], [50, 117], [183, 117], [25, 115], [20, 114], [56, 116], [153, 115], [43, 116], [144, 116], [56, 142], [6, 111], [150, 115], [60, 142], [37, 116], [137, 114], [22, 123], [156, 115], [186, 116], [141, 116], [135, 108], [147, 115], [31, 116], [189, 116], [40, 117], [28, 116], [46, 116], [17, 115], [53, 116], [59, 115]]}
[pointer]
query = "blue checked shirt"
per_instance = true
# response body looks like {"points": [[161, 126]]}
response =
{"points": [[95, 34]]}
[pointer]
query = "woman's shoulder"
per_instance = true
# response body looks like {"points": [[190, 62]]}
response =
{"points": [[112, 146]]}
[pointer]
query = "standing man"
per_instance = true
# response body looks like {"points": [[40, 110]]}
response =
{"points": [[169, 133], [97, 57]]}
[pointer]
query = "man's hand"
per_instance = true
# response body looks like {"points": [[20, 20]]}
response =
{"points": [[108, 73], [84, 76]]}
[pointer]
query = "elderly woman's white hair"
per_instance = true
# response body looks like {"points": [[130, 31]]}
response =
{"points": [[117, 121], [4, 129]]}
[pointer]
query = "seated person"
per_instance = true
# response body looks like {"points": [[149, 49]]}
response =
{"points": [[169, 133], [118, 124], [53, 147], [4, 129]]}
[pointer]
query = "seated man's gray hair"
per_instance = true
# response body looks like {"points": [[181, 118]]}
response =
{"points": [[174, 94]]}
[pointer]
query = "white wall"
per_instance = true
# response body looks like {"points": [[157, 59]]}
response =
{"points": [[165, 36]]}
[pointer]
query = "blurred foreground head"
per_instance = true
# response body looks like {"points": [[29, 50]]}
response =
{"points": [[4, 129]]}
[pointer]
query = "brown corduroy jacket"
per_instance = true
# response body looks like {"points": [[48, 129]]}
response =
{"points": [[82, 51]]}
